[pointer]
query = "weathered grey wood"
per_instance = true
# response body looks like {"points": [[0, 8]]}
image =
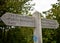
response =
{"points": [[28, 21], [38, 30], [48, 23], [17, 20]]}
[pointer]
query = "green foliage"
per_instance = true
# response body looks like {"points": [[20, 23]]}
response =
{"points": [[16, 6], [54, 13], [17, 35], [20, 35], [49, 36]]}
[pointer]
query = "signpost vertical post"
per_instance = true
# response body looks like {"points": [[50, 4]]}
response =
{"points": [[38, 30]]}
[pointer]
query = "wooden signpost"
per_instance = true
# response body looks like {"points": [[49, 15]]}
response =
{"points": [[17, 20], [30, 21], [48, 23]]}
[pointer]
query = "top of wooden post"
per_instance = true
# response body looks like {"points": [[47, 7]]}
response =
{"points": [[36, 14]]}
